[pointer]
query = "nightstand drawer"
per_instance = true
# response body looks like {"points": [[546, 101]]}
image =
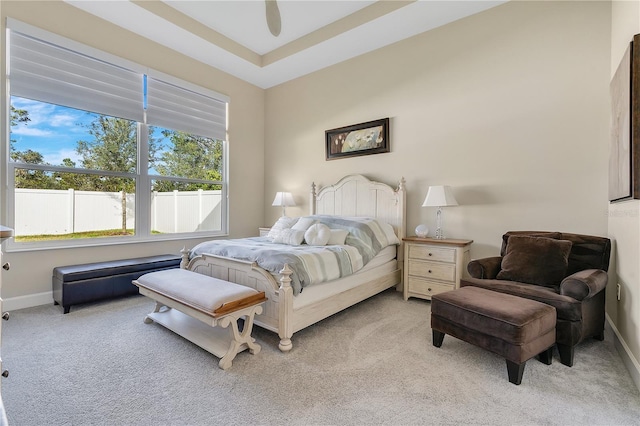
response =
{"points": [[433, 270], [427, 288], [437, 254]]}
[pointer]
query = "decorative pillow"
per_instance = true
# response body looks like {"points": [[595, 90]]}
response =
{"points": [[337, 238], [535, 260], [545, 234], [281, 224], [318, 235], [289, 236], [303, 224]]}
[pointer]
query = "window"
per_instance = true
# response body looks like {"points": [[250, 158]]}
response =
{"points": [[103, 150]]}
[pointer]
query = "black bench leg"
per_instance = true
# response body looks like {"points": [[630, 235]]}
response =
{"points": [[67, 308], [566, 354], [438, 337], [515, 372], [599, 336], [546, 357]]}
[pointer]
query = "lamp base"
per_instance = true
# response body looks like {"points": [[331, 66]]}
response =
{"points": [[439, 233]]}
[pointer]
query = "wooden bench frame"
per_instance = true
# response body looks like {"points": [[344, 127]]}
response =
{"points": [[201, 327]]}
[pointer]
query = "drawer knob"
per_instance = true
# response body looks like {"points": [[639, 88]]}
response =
{"points": [[429, 289], [429, 271], [5, 316], [6, 266], [430, 254], [5, 373]]}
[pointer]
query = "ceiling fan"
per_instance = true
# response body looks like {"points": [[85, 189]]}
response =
{"points": [[273, 17]]}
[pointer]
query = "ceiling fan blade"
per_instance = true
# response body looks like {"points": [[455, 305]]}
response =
{"points": [[273, 17]]}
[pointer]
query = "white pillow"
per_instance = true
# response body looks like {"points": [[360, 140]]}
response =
{"points": [[337, 238], [289, 236], [317, 235], [303, 224], [392, 238], [281, 224]]}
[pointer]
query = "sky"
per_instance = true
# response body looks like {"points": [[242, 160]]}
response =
{"points": [[53, 131]]}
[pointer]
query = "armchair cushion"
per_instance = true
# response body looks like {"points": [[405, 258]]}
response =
{"points": [[535, 260]]}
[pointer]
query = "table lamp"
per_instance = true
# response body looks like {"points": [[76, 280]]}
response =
{"points": [[439, 196], [284, 200]]}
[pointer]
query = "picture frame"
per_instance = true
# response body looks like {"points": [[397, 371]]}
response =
{"points": [[367, 138], [624, 149]]}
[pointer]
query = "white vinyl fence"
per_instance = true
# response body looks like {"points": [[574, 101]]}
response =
{"points": [[186, 211], [55, 212]]}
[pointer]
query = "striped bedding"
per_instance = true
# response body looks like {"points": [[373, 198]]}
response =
{"points": [[310, 264]]}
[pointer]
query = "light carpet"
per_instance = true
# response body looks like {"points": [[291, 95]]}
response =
{"points": [[371, 364]]}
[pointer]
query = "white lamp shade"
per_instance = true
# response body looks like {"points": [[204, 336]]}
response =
{"points": [[283, 199], [439, 196]]}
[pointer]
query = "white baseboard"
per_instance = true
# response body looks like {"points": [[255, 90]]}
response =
{"points": [[21, 302], [628, 359]]}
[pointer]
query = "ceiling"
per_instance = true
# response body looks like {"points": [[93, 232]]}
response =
{"points": [[233, 35]]}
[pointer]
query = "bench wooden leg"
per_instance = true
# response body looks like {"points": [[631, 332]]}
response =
{"points": [[239, 339], [148, 319]]}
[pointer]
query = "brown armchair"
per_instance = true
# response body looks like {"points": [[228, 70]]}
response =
{"points": [[567, 271]]}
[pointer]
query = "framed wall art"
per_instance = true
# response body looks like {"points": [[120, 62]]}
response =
{"points": [[624, 150], [367, 138]]}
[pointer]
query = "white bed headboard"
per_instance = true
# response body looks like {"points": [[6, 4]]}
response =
{"points": [[355, 195]]}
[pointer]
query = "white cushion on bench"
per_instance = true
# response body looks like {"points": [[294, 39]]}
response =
{"points": [[198, 290]]}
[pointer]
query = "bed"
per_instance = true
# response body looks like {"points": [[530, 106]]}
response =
{"points": [[285, 313]]}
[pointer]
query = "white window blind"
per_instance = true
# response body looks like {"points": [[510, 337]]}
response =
{"points": [[46, 72], [174, 107]]}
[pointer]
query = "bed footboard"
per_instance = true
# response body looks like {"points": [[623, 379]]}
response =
{"points": [[278, 309]]}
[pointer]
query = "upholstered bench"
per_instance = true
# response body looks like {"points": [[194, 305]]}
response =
{"points": [[90, 282], [514, 328], [192, 305]]}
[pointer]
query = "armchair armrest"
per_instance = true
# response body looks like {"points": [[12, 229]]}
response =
{"points": [[584, 284], [486, 268]]}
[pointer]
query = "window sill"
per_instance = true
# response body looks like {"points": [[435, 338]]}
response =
{"points": [[12, 247]]}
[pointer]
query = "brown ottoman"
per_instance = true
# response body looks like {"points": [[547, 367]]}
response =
{"points": [[513, 327]]}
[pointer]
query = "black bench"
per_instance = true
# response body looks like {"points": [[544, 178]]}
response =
{"points": [[90, 282]]}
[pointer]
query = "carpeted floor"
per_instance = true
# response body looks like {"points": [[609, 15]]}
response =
{"points": [[371, 364]]}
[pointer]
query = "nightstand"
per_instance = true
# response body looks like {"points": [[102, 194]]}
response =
{"points": [[264, 231], [433, 266]]}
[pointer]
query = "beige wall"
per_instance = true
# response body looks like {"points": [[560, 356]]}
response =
{"points": [[624, 225], [510, 107], [31, 271]]}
